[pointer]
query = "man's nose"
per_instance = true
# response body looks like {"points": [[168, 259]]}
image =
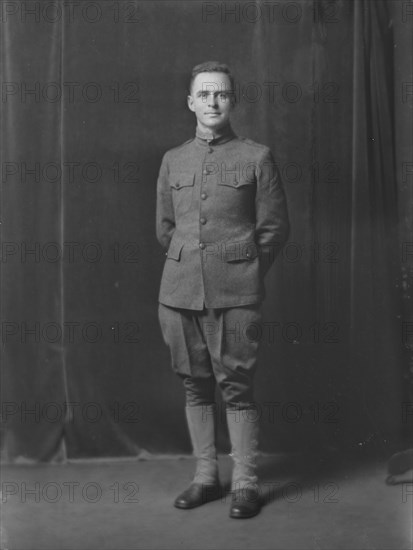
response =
{"points": [[212, 102]]}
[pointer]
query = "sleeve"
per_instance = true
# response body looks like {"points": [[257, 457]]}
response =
{"points": [[272, 224], [165, 216]]}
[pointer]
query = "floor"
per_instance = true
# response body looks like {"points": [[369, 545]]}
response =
{"points": [[125, 504]]}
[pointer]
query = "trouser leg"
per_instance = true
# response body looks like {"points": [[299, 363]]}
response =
{"points": [[191, 361], [234, 347], [233, 339]]}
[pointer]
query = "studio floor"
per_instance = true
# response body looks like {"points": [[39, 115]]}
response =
{"points": [[127, 504]]}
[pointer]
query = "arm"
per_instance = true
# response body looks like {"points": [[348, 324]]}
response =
{"points": [[165, 216], [272, 224]]}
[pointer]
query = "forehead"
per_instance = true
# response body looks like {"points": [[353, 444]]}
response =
{"points": [[211, 81]]}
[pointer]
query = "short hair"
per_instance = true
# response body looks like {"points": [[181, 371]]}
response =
{"points": [[212, 67]]}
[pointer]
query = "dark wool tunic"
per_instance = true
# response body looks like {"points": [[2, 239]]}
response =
{"points": [[222, 215]]}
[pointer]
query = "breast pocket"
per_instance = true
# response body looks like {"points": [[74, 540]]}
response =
{"points": [[182, 186], [235, 181], [237, 198]]}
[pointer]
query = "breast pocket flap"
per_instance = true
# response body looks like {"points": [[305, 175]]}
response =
{"points": [[179, 181], [235, 180]]}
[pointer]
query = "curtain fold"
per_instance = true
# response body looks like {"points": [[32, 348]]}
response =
{"points": [[316, 86], [375, 305], [33, 388]]}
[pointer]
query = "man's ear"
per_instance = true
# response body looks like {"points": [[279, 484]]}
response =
{"points": [[190, 101]]}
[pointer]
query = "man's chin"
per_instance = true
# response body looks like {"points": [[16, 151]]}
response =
{"points": [[215, 124]]}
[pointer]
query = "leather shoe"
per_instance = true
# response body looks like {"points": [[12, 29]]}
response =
{"points": [[246, 503], [196, 495]]}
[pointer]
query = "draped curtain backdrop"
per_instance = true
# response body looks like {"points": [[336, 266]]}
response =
{"points": [[92, 97]]}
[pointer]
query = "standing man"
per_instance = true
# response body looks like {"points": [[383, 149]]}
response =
{"points": [[222, 216]]}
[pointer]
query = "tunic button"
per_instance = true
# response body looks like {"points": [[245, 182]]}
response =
{"points": [[248, 255], [203, 221], [202, 245], [203, 196], [177, 185], [210, 150]]}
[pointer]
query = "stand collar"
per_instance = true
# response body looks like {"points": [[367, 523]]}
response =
{"points": [[215, 138]]}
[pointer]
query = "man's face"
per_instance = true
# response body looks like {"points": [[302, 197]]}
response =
{"points": [[211, 100]]}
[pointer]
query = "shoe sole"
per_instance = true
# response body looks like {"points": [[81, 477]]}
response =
{"points": [[239, 516], [189, 507], [181, 507]]}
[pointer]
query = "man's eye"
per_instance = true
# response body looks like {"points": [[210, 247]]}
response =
{"points": [[223, 95]]}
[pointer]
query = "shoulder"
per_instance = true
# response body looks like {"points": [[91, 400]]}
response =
{"points": [[179, 149], [257, 149], [177, 154]]}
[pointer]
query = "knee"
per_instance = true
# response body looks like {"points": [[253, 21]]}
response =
{"points": [[237, 393], [199, 391]]}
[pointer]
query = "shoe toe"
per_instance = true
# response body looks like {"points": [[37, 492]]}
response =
{"points": [[183, 503], [245, 506], [196, 495], [241, 512]]}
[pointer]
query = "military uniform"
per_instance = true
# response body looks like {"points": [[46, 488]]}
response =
{"points": [[221, 212], [222, 215]]}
